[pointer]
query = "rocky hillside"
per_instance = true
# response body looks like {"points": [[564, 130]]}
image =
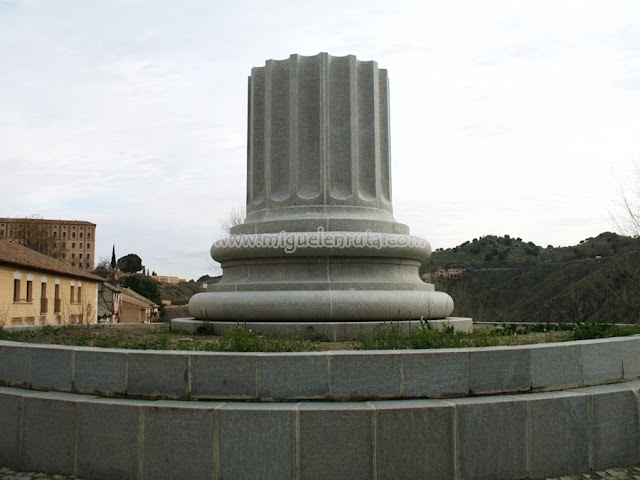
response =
{"points": [[508, 279]]}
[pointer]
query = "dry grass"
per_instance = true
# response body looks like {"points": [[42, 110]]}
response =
{"points": [[160, 337]]}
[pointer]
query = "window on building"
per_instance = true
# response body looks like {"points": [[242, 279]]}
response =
{"points": [[55, 234], [88, 246], [64, 255], [44, 302], [73, 245], [16, 290], [88, 234], [73, 234], [80, 245], [88, 256], [72, 294], [79, 294], [73, 255], [57, 305], [29, 291], [79, 255], [80, 234], [64, 234]]}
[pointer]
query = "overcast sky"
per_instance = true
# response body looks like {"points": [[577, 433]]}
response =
{"points": [[513, 117]]}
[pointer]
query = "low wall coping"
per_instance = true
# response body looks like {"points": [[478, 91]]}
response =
{"points": [[328, 376]]}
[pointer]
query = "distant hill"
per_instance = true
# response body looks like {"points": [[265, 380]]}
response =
{"points": [[179, 293], [508, 279]]}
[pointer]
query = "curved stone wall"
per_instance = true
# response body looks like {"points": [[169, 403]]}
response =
{"points": [[331, 376], [506, 412]]}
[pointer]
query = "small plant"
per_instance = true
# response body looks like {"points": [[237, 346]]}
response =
{"points": [[591, 330], [316, 336], [243, 340], [109, 341], [384, 337]]}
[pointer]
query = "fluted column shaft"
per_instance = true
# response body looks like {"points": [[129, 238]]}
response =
{"points": [[319, 242], [318, 134]]}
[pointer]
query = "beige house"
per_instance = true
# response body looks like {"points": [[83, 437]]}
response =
{"points": [[72, 241], [36, 289], [123, 305]]}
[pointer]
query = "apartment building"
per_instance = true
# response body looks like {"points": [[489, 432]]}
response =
{"points": [[36, 289], [71, 241]]}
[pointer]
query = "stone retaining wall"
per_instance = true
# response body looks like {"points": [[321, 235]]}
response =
{"points": [[440, 414], [335, 375]]}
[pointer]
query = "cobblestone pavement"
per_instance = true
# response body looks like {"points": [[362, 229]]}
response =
{"points": [[623, 473], [8, 474]]}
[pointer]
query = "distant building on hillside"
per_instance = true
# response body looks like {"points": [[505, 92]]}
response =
{"points": [[168, 279], [453, 273], [36, 289], [71, 241]]}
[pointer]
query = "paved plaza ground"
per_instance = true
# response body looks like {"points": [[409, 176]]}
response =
{"points": [[622, 473]]}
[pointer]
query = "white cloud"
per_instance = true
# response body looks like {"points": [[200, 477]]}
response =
{"points": [[507, 117]]}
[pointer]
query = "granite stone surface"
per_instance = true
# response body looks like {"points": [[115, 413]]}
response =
{"points": [[319, 241]]}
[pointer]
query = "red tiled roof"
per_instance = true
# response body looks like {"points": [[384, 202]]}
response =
{"points": [[133, 296], [136, 296], [16, 255]]}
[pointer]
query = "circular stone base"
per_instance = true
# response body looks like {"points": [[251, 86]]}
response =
{"points": [[321, 305], [318, 331]]}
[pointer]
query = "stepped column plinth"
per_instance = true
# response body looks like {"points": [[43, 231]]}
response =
{"points": [[319, 242]]}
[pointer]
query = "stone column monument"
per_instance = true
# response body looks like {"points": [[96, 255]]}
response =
{"points": [[319, 243]]}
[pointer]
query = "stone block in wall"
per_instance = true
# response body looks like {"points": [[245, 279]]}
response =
{"points": [[630, 357], [10, 413], [100, 371], [601, 361], [491, 438], [559, 429], [435, 373], [499, 370], [293, 376], [156, 373], [336, 440], [48, 435], [223, 376], [370, 374], [108, 435], [257, 440], [554, 365], [15, 363], [414, 439], [614, 426], [51, 367], [178, 440]]}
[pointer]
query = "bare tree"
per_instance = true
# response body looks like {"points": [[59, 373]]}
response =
{"points": [[234, 216], [4, 315], [625, 283], [628, 217]]}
